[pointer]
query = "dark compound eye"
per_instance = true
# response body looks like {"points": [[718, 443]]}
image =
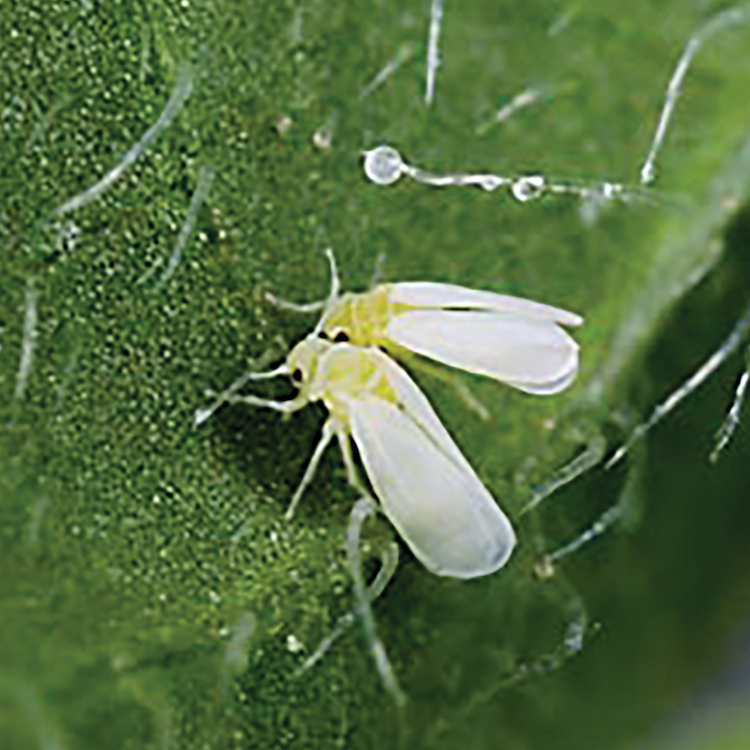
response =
{"points": [[297, 376], [341, 337], [322, 335]]}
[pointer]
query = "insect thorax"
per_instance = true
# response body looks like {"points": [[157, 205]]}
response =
{"points": [[348, 373], [362, 317]]}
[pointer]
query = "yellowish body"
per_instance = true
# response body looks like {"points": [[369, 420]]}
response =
{"points": [[337, 375], [362, 318]]}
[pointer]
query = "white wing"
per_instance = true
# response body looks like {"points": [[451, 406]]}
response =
{"points": [[530, 353], [428, 294], [427, 489]]}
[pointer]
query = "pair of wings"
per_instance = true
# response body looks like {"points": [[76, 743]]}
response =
{"points": [[513, 340], [425, 486]]}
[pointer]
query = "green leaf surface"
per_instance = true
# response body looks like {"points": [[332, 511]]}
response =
{"points": [[151, 595]]}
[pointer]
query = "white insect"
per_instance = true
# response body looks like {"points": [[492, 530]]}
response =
{"points": [[510, 339], [425, 486]]}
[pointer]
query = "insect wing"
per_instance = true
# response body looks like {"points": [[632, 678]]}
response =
{"points": [[530, 353], [426, 487], [428, 294]]}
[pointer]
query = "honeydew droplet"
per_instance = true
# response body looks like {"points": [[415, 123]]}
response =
{"points": [[527, 188], [383, 165]]}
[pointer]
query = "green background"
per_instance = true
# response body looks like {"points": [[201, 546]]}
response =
{"points": [[136, 550]]}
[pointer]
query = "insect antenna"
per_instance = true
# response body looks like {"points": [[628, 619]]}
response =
{"points": [[333, 294], [201, 415]]}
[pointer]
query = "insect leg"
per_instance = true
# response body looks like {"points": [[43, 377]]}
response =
{"points": [[346, 455], [352, 476], [328, 433], [335, 280], [285, 407], [455, 381], [284, 304], [229, 395], [308, 307]]}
